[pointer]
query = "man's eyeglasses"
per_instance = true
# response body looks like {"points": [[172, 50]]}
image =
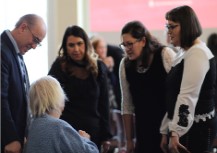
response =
{"points": [[171, 27], [128, 45], [36, 40]]}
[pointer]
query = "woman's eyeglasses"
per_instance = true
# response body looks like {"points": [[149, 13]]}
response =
{"points": [[128, 45], [171, 27]]}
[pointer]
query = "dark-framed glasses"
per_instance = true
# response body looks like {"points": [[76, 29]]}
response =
{"points": [[128, 45], [170, 26], [36, 40]]}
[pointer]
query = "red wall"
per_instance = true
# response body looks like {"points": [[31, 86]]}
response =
{"points": [[111, 15]]}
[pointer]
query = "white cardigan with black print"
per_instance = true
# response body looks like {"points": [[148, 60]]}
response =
{"points": [[196, 66]]}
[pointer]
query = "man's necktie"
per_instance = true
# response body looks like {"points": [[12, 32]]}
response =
{"points": [[23, 70], [26, 85]]}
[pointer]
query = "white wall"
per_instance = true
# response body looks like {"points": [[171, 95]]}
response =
{"points": [[61, 14], [11, 11]]}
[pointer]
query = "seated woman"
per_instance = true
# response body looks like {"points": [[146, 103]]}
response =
{"points": [[48, 133]]}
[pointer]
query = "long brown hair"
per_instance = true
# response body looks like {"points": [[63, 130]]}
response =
{"points": [[90, 57]]}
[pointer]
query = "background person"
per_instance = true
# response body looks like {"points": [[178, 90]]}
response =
{"points": [[212, 44], [29, 31], [100, 47], [117, 54]]}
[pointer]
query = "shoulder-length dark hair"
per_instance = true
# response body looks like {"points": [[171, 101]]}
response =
{"points": [[90, 57], [189, 23], [138, 31]]}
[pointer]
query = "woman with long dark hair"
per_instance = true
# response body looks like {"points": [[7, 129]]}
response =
{"points": [[83, 78]]}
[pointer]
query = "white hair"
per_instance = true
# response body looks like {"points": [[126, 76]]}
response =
{"points": [[46, 95]]}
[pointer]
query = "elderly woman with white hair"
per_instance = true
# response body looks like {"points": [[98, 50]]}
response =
{"points": [[48, 133]]}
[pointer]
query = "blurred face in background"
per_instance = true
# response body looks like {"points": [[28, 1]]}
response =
{"points": [[101, 49], [75, 48]]}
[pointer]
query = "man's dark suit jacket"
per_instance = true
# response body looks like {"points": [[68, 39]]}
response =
{"points": [[13, 95]]}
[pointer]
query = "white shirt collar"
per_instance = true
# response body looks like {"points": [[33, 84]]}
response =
{"points": [[13, 41]]}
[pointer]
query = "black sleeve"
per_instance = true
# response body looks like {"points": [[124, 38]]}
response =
{"points": [[56, 72], [104, 102]]}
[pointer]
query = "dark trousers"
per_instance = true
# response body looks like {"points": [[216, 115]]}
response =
{"points": [[200, 137]]}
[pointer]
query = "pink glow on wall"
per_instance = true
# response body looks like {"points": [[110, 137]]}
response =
{"points": [[111, 15]]}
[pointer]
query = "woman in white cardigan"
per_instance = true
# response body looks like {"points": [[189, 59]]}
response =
{"points": [[190, 121]]}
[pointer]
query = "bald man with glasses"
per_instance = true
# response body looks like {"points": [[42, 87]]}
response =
{"points": [[28, 33]]}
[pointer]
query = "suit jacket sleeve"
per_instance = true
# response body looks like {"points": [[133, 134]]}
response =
{"points": [[9, 130]]}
